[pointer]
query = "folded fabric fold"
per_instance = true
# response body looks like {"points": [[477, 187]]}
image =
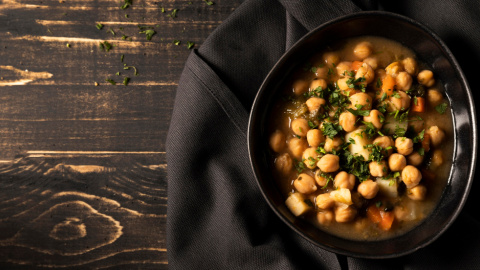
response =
{"points": [[217, 217]]}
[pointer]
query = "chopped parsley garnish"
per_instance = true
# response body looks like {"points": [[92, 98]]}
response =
{"points": [[359, 111], [441, 108], [399, 132], [312, 125], [149, 33], [127, 4], [370, 129], [379, 84], [377, 152], [300, 166], [419, 137], [125, 67], [421, 151], [356, 83], [99, 26], [110, 81], [173, 14], [105, 46], [355, 164], [326, 176], [331, 129], [190, 44], [396, 95], [384, 96]]}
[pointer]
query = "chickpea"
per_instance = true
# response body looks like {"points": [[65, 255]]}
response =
{"points": [[366, 71], [425, 77], [322, 72], [305, 184], [404, 145], [277, 141], [411, 176], [344, 213], [376, 118], [343, 68], [300, 86], [314, 104], [331, 58], [315, 137], [437, 158], [310, 157], [415, 159], [393, 69], [400, 101], [343, 85], [333, 144], [371, 61], [297, 146], [300, 127], [321, 181], [324, 201], [318, 83], [410, 65], [347, 120], [325, 217], [363, 49], [385, 142], [397, 162], [368, 189], [400, 212], [434, 97], [417, 193], [329, 163], [344, 180], [284, 164], [361, 99], [378, 169], [436, 135], [403, 81]]}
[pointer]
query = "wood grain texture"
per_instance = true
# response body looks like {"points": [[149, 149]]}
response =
{"points": [[83, 167]]}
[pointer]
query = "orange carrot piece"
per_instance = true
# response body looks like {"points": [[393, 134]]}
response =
{"points": [[426, 142], [388, 84], [387, 220], [373, 213], [380, 217], [356, 65], [418, 104]]}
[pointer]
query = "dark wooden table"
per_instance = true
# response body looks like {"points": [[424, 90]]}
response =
{"points": [[82, 161]]}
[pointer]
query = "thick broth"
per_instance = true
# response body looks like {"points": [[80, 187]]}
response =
{"points": [[410, 206]]}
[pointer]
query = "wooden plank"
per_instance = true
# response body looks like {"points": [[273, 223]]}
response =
{"points": [[83, 167]]}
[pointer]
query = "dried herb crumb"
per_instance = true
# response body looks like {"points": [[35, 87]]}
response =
{"points": [[173, 14], [209, 2], [111, 81], [190, 44], [127, 4], [149, 33], [105, 46], [99, 26], [126, 80], [68, 45], [177, 42]]}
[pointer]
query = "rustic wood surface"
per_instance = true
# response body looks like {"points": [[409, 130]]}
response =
{"points": [[82, 167]]}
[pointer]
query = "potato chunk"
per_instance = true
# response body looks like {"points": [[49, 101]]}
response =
{"points": [[297, 205]]}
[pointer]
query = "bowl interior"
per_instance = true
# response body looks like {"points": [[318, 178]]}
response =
{"points": [[429, 49]]}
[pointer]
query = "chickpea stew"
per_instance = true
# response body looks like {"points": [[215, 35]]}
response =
{"points": [[361, 139]]}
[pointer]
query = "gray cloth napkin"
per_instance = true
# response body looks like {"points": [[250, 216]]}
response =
{"points": [[217, 217]]}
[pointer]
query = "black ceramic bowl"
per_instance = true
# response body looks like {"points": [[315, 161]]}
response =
{"points": [[429, 49]]}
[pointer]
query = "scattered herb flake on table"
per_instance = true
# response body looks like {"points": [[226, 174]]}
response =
{"points": [[149, 33], [190, 44], [127, 4], [177, 42], [99, 26], [110, 81], [209, 2]]}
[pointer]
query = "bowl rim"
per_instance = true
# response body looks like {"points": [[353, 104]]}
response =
{"points": [[471, 113]]}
